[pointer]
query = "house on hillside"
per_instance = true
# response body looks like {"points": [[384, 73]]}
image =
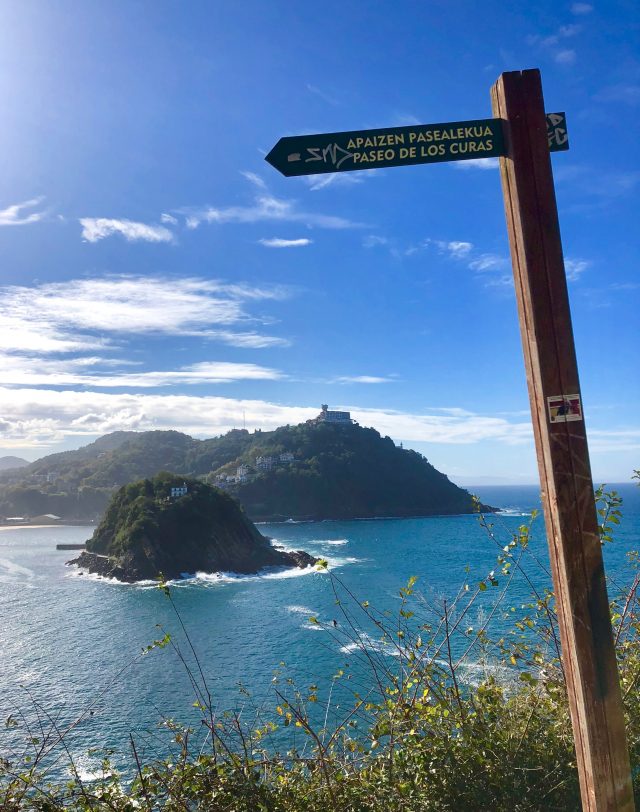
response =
{"points": [[264, 463], [176, 493], [286, 457], [242, 473]]}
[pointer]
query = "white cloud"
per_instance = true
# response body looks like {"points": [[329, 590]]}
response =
{"points": [[627, 439], [489, 262], [20, 370], [553, 43], [459, 249], [276, 242], [13, 216], [98, 228], [574, 268], [256, 180], [168, 218], [316, 182], [64, 316], [477, 163], [373, 240], [43, 417], [267, 208], [566, 56], [363, 379], [581, 8]]}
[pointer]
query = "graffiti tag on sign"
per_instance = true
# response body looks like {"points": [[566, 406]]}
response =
{"points": [[557, 134], [564, 408]]}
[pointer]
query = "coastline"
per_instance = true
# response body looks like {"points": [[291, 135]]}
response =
{"points": [[26, 525]]}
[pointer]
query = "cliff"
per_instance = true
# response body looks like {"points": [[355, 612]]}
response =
{"points": [[146, 532]]}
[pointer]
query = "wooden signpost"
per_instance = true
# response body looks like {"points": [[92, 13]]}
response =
{"points": [[522, 136]]}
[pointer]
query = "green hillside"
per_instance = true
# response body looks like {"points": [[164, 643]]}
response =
{"points": [[341, 472], [328, 471]]}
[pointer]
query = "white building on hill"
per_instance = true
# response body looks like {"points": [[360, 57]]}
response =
{"points": [[264, 463], [326, 416]]}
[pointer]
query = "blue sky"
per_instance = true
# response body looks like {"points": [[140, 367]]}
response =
{"points": [[157, 273]]}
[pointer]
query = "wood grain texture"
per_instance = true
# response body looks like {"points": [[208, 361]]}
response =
{"points": [[563, 458]]}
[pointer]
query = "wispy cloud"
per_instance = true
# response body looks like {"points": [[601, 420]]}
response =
{"points": [[88, 314], [574, 268], [277, 242], [98, 228], [14, 216], [256, 180], [168, 218], [317, 182], [625, 93], [494, 267], [591, 188], [459, 248], [95, 373], [565, 56], [580, 9], [326, 97], [606, 440], [477, 163], [374, 240], [364, 379], [489, 262], [266, 208], [555, 44]]}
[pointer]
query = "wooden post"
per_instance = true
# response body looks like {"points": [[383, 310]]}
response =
{"points": [[563, 458]]}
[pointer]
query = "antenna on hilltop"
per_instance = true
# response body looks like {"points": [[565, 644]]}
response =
{"points": [[244, 420]]}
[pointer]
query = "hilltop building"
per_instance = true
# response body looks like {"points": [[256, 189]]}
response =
{"points": [[326, 416], [176, 493]]}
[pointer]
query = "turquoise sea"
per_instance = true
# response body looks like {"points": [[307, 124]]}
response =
{"points": [[71, 643]]}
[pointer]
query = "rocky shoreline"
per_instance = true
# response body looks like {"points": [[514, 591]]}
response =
{"points": [[128, 570]]}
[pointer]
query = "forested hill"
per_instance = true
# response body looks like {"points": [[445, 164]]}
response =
{"points": [[341, 472], [313, 470]]}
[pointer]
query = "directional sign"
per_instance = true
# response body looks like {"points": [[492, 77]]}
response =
{"points": [[400, 146]]}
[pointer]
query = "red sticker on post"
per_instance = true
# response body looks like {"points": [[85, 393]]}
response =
{"points": [[564, 408]]}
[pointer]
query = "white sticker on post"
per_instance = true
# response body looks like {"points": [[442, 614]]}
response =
{"points": [[564, 408]]}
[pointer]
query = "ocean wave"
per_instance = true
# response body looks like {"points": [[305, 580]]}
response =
{"points": [[300, 610], [11, 573], [268, 574], [371, 644], [218, 578], [513, 511], [87, 769], [81, 572], [330, 542]]}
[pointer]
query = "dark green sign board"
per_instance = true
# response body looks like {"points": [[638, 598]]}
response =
{"points": [[400, 146]]}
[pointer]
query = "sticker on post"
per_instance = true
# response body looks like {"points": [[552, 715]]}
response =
{"points": [[564, 408]]}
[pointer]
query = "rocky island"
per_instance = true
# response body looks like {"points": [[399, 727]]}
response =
{"points": [[172, 526]]}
